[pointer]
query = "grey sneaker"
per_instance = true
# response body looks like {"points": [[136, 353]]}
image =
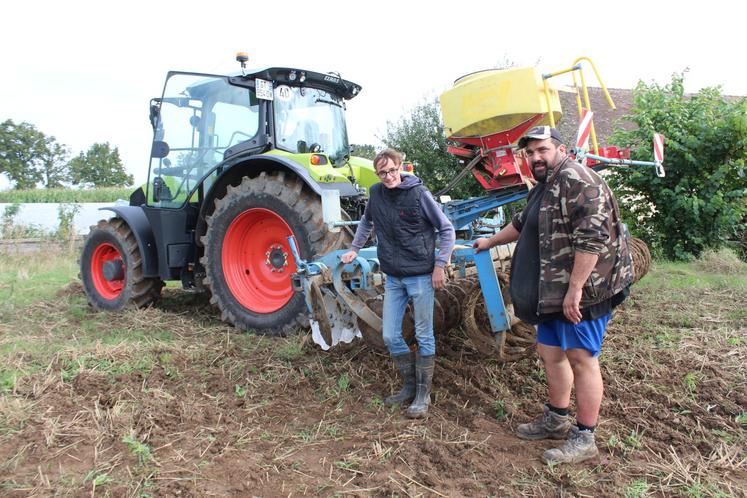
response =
{"points": [[578, 447], [549, 425]]}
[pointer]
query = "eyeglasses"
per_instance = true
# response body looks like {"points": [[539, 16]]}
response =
{"points": [[389, 172]]}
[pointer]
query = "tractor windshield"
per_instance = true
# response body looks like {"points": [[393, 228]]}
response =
{"points": [[310, 120], [199, 117]]}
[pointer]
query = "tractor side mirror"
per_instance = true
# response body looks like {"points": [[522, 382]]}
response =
{"points": [[159, 149]]}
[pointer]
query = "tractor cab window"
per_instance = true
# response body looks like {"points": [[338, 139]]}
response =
{"points": [[199, 117], [310, 120]]}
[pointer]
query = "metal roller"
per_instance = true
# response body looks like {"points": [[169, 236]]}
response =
{"points": [[510, 346], [450, 306], [641, 258]]}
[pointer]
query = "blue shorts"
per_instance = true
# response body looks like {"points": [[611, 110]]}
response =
{"points": [[587, 334]]}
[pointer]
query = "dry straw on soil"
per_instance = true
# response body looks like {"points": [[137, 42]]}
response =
{"points": [[169, 401]]}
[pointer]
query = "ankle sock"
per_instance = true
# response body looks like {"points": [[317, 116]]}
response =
{"points": [[559, 411], [582, 427]]}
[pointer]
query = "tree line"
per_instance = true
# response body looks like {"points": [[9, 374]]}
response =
{"points": [[30, 158]]}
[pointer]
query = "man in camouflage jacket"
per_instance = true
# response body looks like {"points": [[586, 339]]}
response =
{"points": [[571, 267]]}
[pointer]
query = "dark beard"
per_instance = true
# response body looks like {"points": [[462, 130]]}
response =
{"points": [[544, 177]]}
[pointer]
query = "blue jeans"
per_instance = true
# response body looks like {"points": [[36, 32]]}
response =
{"points": [[397, 291]]}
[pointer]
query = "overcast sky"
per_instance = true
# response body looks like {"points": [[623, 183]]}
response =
{"points": [[84, 71]]}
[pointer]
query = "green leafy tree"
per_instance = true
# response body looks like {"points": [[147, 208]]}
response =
{"points": [[701, 201], [99, 166], [364, 150], [53, 164], [22, 148], [421, 137], [29, 157]]}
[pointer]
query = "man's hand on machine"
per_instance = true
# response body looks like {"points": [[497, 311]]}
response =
{"points": [[482, 244], [348, 256]]}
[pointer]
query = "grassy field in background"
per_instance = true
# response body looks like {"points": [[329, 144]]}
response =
{"points": [[66, 195], [171, 401]]}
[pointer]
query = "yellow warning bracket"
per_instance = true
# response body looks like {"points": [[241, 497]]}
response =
{"points": [[576, 67]]}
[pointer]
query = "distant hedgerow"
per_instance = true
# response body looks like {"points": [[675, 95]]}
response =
{"points": [[65, 195]]}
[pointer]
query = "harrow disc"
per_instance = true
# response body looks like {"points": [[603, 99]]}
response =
{"points": [[321, 315], [513, 345], [450, 305], [375, 338]]}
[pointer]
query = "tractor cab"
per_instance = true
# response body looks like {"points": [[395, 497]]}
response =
{"points": [[204, 123], [196, 120]]}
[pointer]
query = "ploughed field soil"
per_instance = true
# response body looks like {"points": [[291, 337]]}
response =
{"points": [[168, 401]]}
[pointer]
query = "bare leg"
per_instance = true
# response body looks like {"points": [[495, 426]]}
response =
{"points": [[559, 375], [588, 384]]}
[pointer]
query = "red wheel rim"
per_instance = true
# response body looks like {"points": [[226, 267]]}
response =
{"points": [[257, 261], [108, 289]]}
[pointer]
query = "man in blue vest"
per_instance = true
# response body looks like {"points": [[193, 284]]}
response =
{"points": [[406, 219]]}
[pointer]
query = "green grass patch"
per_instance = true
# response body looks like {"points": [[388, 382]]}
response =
{"points": [[347, 464], [375, 403], [291, 350], [28, 346], [8, 379], [663, 337], [637, 489], [97, 479], [691, 381], [65, 195], [343, 382], [239, 391], [23, 357], [499, 408], [737, 314], [112, 368], [724, 262], [672, 276], [138, 449], [30, 277], [14, 413], [307, 435], [121, 336]]}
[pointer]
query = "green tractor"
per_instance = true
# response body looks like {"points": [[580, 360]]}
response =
{"points": [[238, 164]]}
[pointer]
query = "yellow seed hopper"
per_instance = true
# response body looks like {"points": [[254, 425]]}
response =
{"points": [[497, 101]]}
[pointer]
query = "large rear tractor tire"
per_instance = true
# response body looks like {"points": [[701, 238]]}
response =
{"points": [[111, 268], [247, 257]]}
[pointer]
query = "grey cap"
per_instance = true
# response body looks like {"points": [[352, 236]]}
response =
{"points": [[539, 133]]}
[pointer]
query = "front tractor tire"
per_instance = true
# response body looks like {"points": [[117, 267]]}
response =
{"points": [[247, 257], [111, 268]]}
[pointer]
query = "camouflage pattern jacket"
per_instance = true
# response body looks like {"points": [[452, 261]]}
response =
{"points": [[578, 212]]}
